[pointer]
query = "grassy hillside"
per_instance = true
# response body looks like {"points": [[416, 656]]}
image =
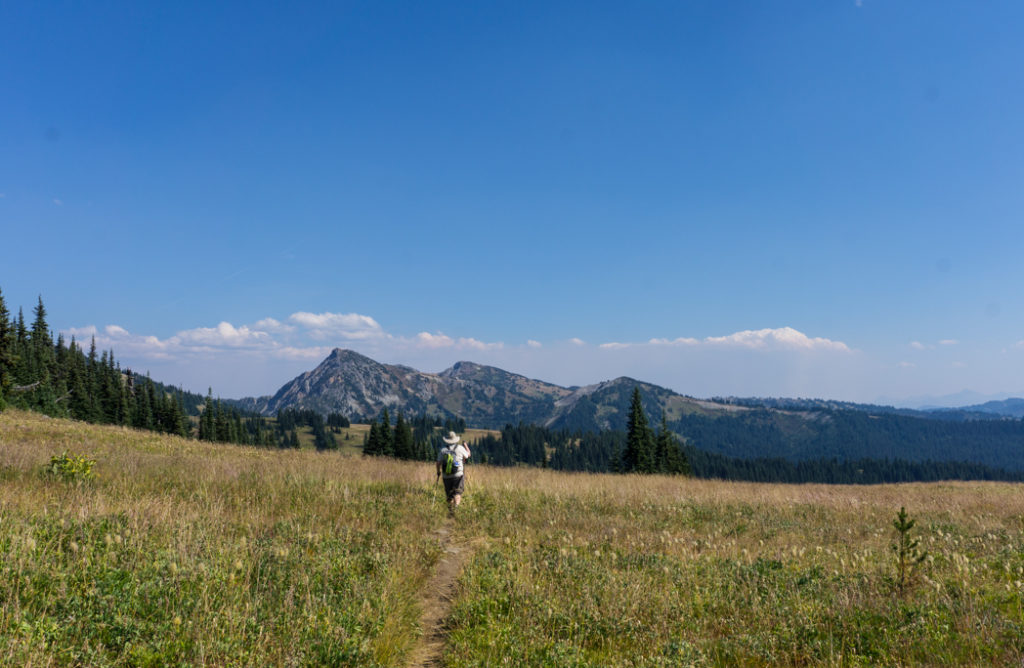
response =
{"points": [[179, 552]]}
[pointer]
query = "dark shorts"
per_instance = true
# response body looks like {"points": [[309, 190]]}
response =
{"points": [[453, 486]]}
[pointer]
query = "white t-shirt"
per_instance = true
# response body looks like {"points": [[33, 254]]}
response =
{"points": [[460, 452]]}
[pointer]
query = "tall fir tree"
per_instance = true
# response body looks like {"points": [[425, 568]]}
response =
{"points": [[638, 456], [7, 343], [207, 427], [372, 445], [387, 436], [403, 439], [41, 341], [669, 457]]}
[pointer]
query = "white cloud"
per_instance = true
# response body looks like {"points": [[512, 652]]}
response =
{"points": [[273, 326], [917, 345], [313, 354], [439, 340], [907, 365], [479, 345], [681, 341], [577, 342], [81, 333], [762, 339], [534, 344], [344, 325], [785, 337], [428, 340], [224, 334], [116, 331]]}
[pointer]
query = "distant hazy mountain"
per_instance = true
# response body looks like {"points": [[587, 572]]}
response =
{"points": [[966, 399], [1008, 407]]}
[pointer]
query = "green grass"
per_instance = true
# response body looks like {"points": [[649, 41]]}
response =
{"points": [[653, 572], [182, 553], [176, 552]]}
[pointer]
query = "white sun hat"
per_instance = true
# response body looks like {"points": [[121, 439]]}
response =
{"points": [[452, 438]]}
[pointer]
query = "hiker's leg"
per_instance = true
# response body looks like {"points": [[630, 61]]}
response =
{"points": [[455, 493]]}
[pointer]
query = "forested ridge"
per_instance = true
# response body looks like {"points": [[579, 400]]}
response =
{"points": [[565, 450], [847, 435]]}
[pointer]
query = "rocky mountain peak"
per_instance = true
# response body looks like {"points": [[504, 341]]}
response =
{"points": [[360, 388], [463, 370], [346, 356]]}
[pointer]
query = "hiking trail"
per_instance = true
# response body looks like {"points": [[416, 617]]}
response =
{"points": [[437, 599]]}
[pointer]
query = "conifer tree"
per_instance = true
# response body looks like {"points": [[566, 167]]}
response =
{"points": [[142, 413], [42, 342], [669, 456], [638, 456], [372, 445], [7, 344], [387, 437], [403, 439], [207, 427]]}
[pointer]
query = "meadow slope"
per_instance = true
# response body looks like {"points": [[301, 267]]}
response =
{"points": [[186, 553]]}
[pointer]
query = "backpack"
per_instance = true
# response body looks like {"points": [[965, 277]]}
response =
{"points": [[449, 463]]}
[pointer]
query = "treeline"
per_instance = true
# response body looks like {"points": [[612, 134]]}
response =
{"points": [[833, 471], [415, 439], [530, 445], [58, 378], [563, 450], [222, 423], [290, 419], [849, 435], [640, 450]]}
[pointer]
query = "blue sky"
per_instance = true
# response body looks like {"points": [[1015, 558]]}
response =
{"points": [[725, 198]]}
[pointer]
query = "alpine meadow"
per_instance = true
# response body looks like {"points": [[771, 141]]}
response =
{"points": [[172, 551]]}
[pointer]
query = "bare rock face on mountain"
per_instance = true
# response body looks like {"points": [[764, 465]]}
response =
{"points": [[360, 388], [355, 385]]}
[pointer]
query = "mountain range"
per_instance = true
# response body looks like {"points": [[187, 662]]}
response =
{"points": [[360, 388]]}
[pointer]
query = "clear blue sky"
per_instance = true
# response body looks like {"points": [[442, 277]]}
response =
{"points": [[787, 198]]}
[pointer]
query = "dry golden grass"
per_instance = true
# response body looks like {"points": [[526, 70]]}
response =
{"points": [[188, 553], [610, 570], [182, 552]]}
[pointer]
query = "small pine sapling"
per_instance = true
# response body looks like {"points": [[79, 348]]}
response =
{"points": [[909, 556]]}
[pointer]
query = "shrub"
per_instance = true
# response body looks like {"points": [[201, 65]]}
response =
{"points": [[70, 467]]}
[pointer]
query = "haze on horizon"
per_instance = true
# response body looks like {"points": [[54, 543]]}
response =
{"points": [[818, 201]]}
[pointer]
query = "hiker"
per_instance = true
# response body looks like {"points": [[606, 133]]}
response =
{"points": [[450, 465]]}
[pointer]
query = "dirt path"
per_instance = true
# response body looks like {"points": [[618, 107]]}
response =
{"points": [[437, 600]]}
